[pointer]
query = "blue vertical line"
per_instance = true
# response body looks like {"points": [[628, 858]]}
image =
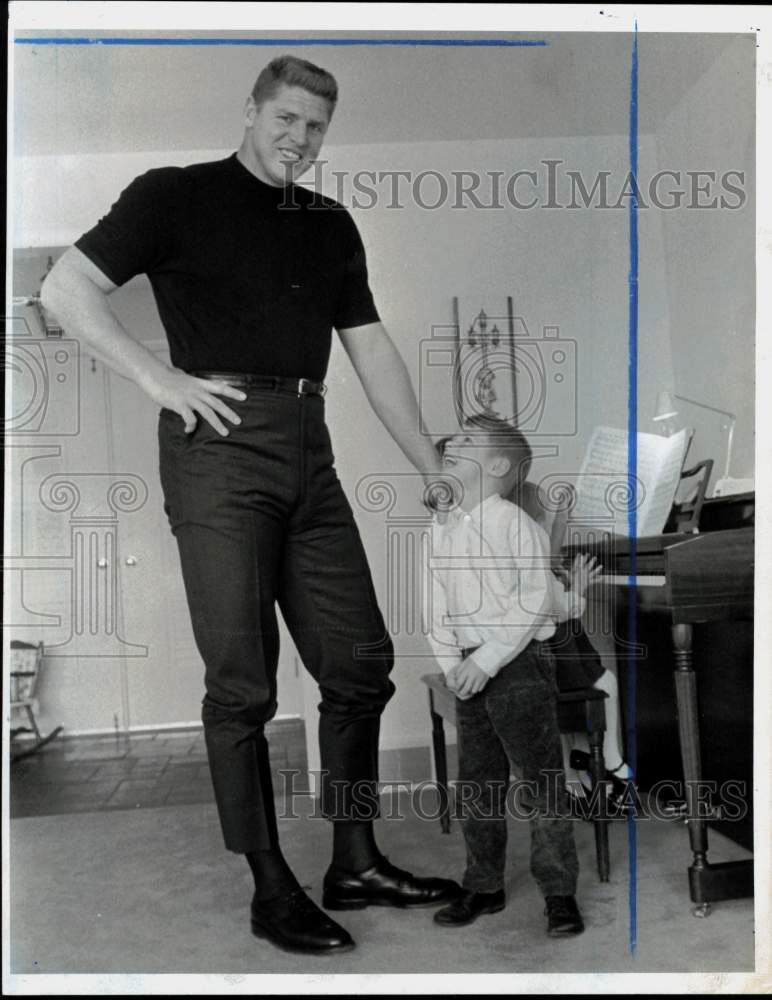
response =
{"points": [[148, 41], [632, 462]]}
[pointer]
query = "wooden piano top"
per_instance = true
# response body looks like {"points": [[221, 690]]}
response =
{"points": [[701, 577]]}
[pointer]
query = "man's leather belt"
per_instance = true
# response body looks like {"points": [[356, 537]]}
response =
{"points": [[278, 383]]}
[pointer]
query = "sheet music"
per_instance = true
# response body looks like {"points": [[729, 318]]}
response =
{"points": [[661, 474], [602, 485]]}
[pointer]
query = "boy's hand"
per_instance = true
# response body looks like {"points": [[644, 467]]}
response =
{"points": [[466, 679], [585, 571]]}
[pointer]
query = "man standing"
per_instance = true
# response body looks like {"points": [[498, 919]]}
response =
{"points": [[250, 274]]}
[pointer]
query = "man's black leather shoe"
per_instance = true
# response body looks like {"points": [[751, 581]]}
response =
{"points": [[468, 907], [563, 917], [384, 885], [295, 923]]}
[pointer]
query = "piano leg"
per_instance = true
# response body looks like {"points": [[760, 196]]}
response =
{"points": [[707, 883]]}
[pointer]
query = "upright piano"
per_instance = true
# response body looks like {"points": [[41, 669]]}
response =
{"points": [[690, 579]]}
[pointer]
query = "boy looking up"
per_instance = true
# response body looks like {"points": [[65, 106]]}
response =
{"points": [[494, 602]]}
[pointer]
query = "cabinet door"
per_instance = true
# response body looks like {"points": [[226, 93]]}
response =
{"points": [[60, 528], [163, 669], [165, 683]]}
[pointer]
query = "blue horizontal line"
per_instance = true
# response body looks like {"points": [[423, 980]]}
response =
{"points": [[469, 42]]}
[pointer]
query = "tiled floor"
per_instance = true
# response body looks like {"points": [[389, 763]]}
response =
{"points": [[136, 772]]}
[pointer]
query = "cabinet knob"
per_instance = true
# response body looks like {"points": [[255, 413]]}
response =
{"points": [[102, 563], [131, 560]]}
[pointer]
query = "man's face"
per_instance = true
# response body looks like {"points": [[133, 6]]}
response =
{"points": [[284, 135]]}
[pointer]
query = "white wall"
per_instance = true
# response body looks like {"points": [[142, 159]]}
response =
{"points": [[710, 276]]}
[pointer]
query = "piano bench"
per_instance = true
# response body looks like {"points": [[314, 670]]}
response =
{"points": [[578, 711]]}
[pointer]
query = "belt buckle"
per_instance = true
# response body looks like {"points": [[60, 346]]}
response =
{"points": [[302, 391]]}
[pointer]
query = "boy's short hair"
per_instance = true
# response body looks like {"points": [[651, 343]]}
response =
{"points": [[508, 441], [295, 72]]}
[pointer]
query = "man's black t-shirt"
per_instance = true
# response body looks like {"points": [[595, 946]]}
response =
{"points": [[247, 277]]}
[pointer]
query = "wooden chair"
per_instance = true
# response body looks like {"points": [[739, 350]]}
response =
{"points": [[578, 711], [26, 661]]}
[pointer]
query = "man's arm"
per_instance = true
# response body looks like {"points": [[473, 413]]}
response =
{"points": [[76, 292], [388, 388]]}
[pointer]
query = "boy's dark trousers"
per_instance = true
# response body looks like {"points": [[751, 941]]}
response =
{"points": [[512, 722], [260, 517]]}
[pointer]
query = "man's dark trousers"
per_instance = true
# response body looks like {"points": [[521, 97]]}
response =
{"points": [[260, 517], [512, 722]]}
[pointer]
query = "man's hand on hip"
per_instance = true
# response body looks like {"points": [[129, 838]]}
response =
{"points": [[189, 396]]}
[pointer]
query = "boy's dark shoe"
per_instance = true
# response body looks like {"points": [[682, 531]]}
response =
{"points": [[384, 885], [563, 917], [293, 922], [468, 907]]}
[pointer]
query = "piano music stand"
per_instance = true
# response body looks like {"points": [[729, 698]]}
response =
{"points": [[685, 516]]}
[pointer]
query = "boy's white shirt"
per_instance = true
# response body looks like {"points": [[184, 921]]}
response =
{"points": [[492, 586]]}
